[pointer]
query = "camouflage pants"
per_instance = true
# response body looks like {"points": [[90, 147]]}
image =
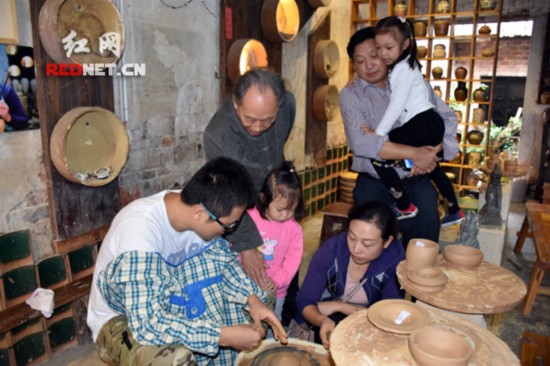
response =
{"points": [[116, 346]]}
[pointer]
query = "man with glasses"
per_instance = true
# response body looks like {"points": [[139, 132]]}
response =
{"points": [[253, 128], [167, 290]]}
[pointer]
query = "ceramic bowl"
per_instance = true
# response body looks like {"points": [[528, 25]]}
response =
{"points": [[434, 346], [398, 316], [428, 279], [421, 252], [463, 256]]}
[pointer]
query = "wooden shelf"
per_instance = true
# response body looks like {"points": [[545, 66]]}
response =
{"points": [[461, 50]]}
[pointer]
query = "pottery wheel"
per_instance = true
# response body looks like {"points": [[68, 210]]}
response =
{"points": [[285, 356]]}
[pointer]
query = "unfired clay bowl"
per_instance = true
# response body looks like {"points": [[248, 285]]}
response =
{"points": [[463, 256], [421, 252], [428, 279], [434, 346], [398, 316]]}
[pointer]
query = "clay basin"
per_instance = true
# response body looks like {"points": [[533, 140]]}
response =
{"points": [[398, 316], [434, 346], [462, 256], [421, 252], [428, 279]]}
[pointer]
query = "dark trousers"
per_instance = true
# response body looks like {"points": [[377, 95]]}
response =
{"points": [[424, 129], [290, 310], [421, 192]]}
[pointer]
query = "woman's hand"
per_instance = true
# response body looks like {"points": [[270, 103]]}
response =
{"points": [[326, 329], [259, 312]]}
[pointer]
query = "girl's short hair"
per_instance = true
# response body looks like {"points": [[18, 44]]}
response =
{"points": [[285, 182], [378, 214], [400, 27]]}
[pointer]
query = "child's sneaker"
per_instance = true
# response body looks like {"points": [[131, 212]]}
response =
{"points": [[409, 213], [452, 219]]}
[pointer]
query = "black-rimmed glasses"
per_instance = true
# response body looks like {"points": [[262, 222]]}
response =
{"points": [[226, 228]]}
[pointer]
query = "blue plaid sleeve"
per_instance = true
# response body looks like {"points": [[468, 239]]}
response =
{"points": [[140, 285]]}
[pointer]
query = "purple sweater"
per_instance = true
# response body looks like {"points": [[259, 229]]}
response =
{"points": [[326, 276], [19, 119]]}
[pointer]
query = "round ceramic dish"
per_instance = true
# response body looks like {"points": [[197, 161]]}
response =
{"points": [[429, 279], [397, 316], [439, 346]]}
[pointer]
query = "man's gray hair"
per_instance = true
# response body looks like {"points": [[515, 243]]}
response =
{"points": [[262, 78]]}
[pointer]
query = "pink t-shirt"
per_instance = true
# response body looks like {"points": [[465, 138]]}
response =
{"points": [[282, 249]]}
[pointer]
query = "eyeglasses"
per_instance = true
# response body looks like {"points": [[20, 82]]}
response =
{"points": [[226, 228]]}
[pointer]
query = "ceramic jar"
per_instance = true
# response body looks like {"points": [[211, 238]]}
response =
{"points": [[461, 92], [480, 95], [478, 115], [443, 7], [441, 27], [421, 51], [400, 9], [484, 30], [439, 51], [545, 97], [461, 72], [474, 137], [474, 158], [437, 91], [437, 72], [420, 28], [488, 4], [421, 252]]}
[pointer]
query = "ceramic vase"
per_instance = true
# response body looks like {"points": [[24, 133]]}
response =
{"points": [[437, 72], [480, 95], [420, 28], [439, 51], [461, 92], [474, 137], [441, 27], [421, 51], [545, 98], [443, 7], [421, 252], [400, 9], [484, 30], [461, 72]]}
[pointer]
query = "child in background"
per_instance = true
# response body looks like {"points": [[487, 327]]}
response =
{"points": [[279, 207], [411, 115]]}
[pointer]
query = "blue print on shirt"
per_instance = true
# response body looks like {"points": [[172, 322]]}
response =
{"points": [[186, 252]]}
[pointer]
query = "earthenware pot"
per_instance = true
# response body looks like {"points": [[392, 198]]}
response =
{"points": [[487, 4], [421, 51], [441, 27], [437, 72], [326, 59], [484, 30], [461, 72], [245, 54], [474, 137], [545, 97], [478, 115], [443, 7], [420, 28], [434, 345], [480, 95], [487, 52], [463, 256], [421, 252], [461, 92], [439, 51], [280, 20], [474, 158], [400, 9]]}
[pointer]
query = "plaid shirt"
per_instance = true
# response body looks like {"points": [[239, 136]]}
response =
{"points": [[185, 303], [365, 103]]}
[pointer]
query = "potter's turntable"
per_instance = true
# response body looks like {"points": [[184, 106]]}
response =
{"points": [[296, 353]]}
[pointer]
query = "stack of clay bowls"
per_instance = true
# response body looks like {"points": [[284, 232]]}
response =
{"points": [[462, 256], [347, 184], [421, 256], [436, 346]]}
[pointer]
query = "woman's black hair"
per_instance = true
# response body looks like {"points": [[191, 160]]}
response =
{"points": [[401, 29], [286, 182], [378, 214]]}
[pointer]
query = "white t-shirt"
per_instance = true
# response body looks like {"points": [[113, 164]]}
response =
{"points": [[142, 225], [409, 96]]}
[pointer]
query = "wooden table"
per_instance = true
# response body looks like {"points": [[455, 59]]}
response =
{"points": [[356, 341], [538, 221], [487, 290]]}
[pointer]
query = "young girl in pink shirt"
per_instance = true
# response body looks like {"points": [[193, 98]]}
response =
{"points": [[279, 207]]}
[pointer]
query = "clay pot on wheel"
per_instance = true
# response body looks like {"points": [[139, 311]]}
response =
{"points": [[421, 252]]}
